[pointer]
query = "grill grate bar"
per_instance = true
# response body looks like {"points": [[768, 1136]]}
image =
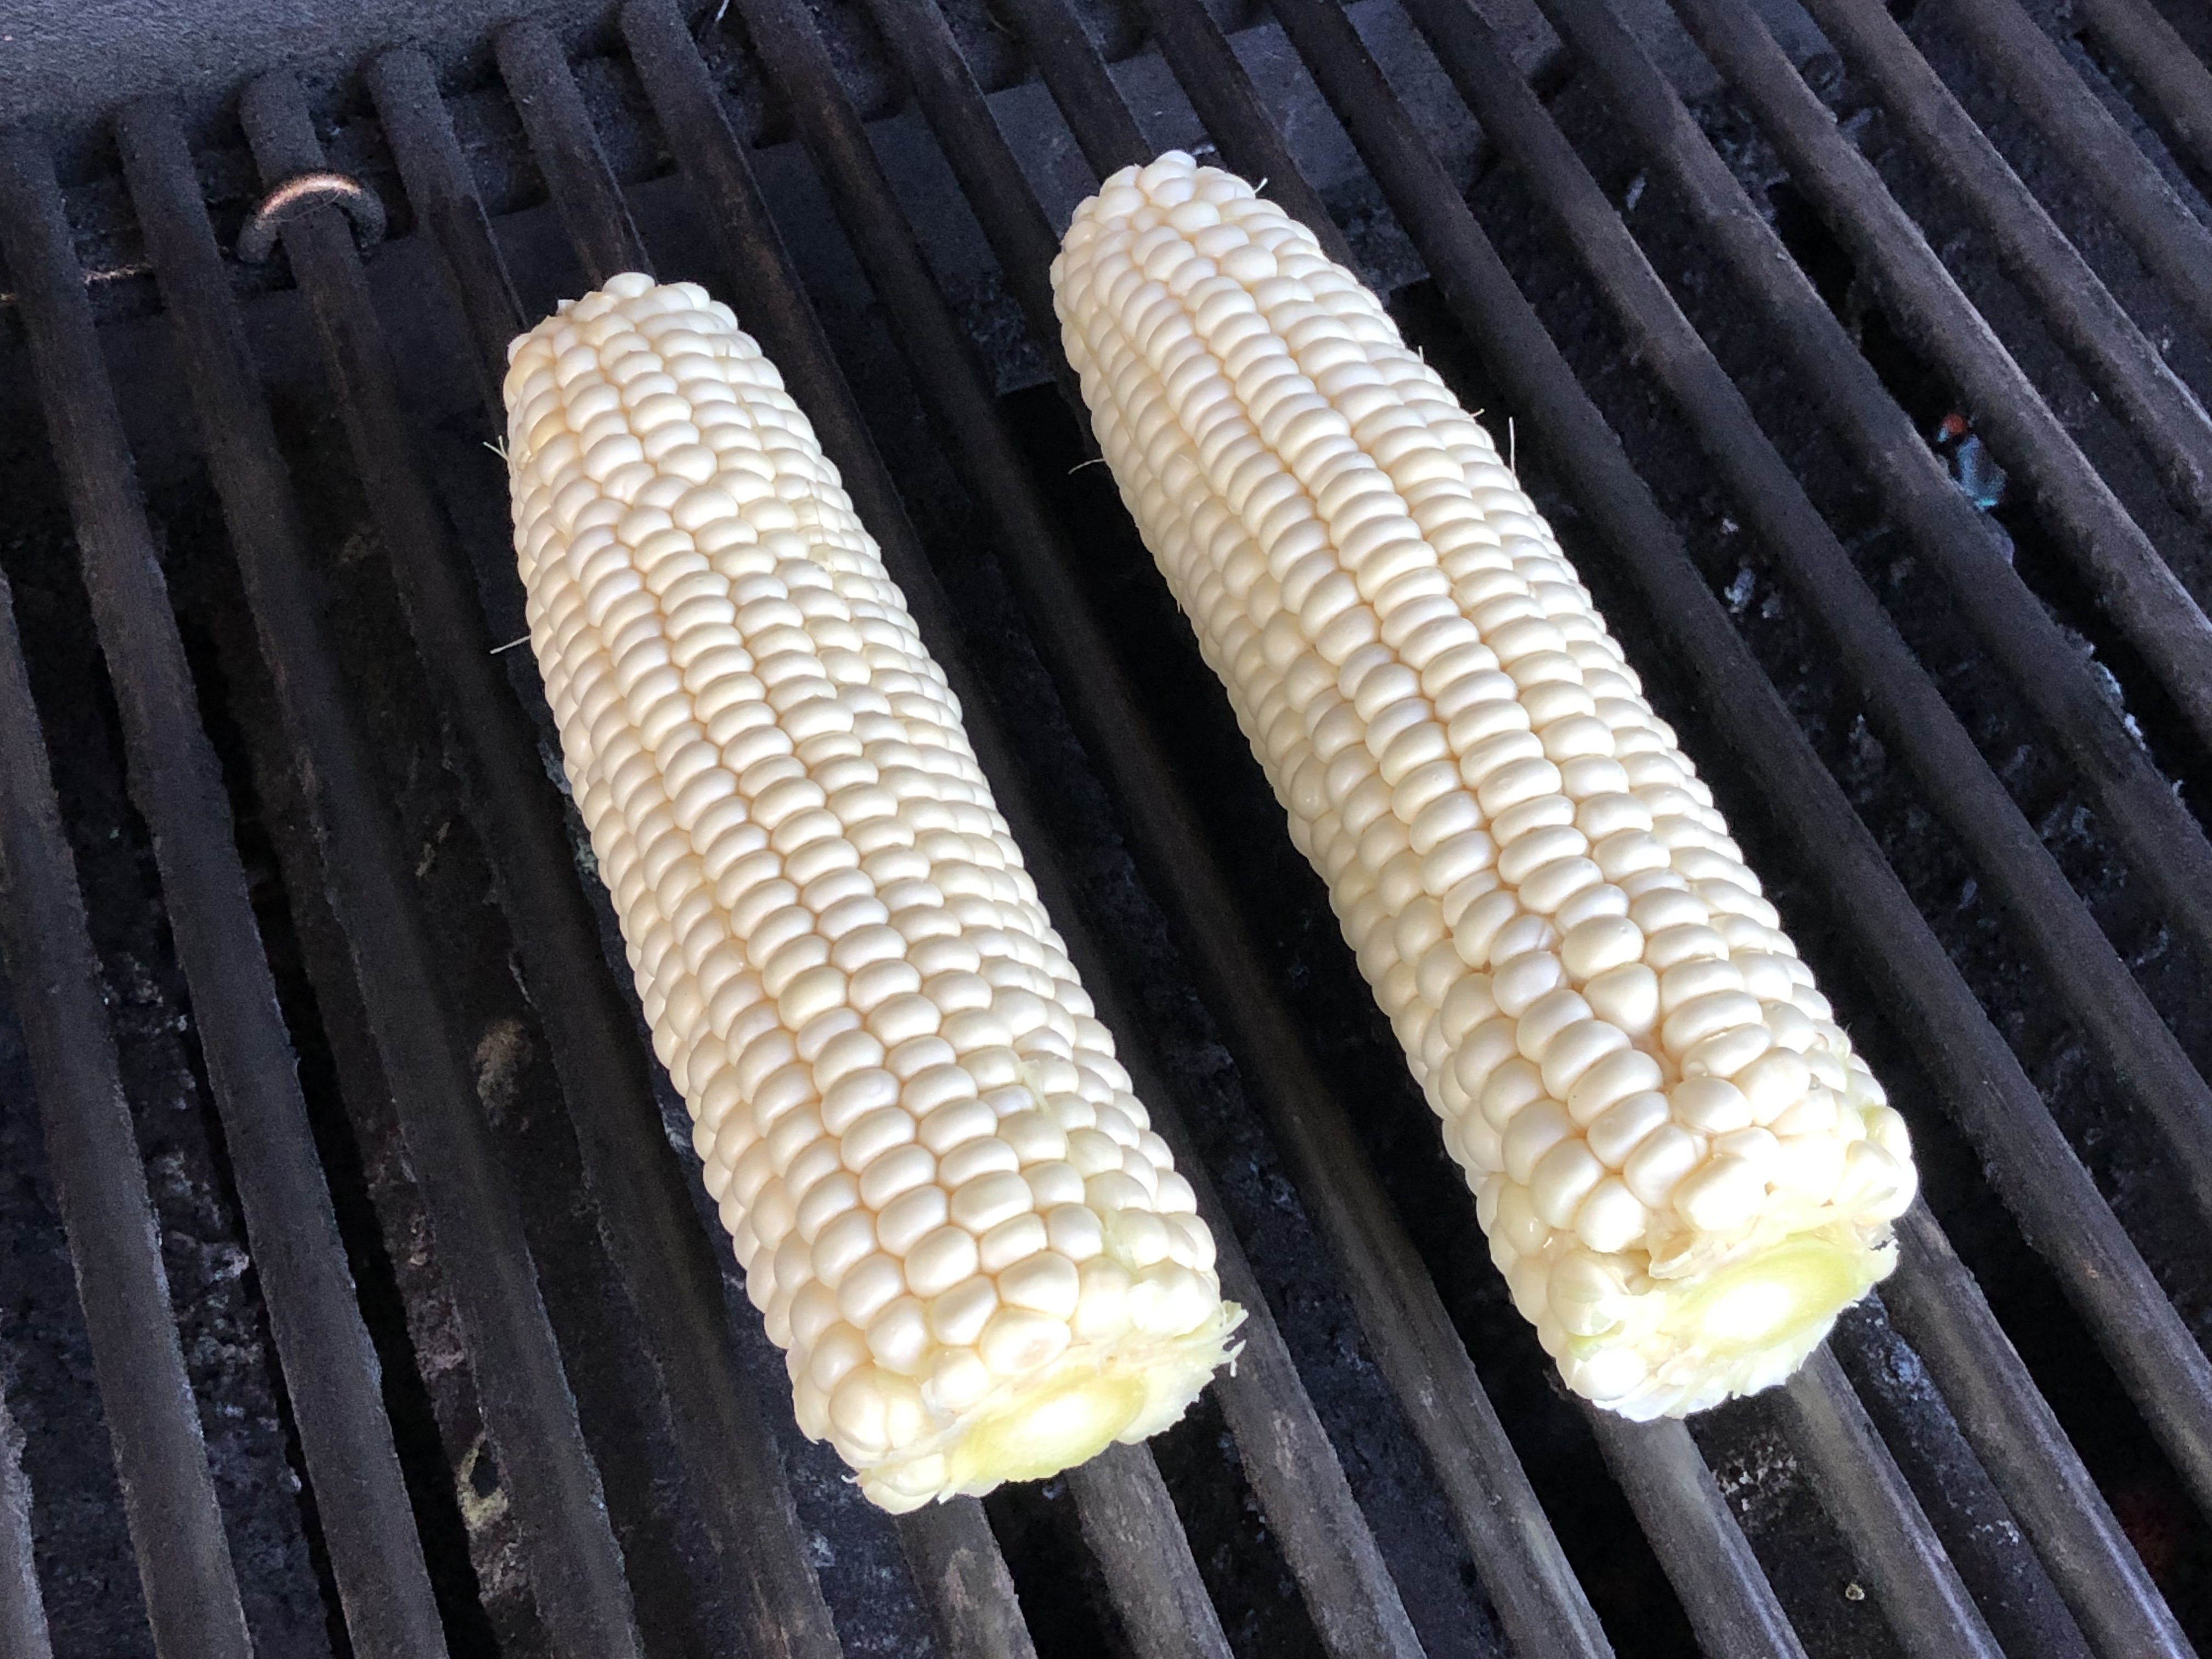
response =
{"points": [[640, 1190], [2162, 65], [2162, 412], [23, 1632], [921, 45], [1288, 1457], [585, 194], [1105, 130], [957, 1564], [1124, 1508], [1722, 1587], [1927, 1607], [435, 174], [330, 1370], [482, 1255], [2133, 584], [1934, 1301], [99, 1186], [1991, 1554], [2171, 239], [2160, 837]]}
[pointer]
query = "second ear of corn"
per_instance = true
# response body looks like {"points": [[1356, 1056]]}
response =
{"points": [[961, 1227], [1684, 1171]]}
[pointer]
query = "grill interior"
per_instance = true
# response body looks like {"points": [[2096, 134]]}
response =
{"points": [[452, 1351]]}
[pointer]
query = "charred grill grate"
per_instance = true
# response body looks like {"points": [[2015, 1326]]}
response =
{"points": [[489, 1343]]}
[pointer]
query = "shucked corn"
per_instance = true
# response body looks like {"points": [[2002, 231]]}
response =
{"points": [[1683, 1171], [974, 1250]]}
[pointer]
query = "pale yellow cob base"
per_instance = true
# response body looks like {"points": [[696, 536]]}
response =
{"points": [[1092, 1396], [1738, 1327]]}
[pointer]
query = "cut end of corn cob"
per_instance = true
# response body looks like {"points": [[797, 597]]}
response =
{"points": [[1683, 1171], [963, 1231]]}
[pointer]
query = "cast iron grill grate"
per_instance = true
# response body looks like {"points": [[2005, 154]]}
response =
{"points": [[453, 1362]]}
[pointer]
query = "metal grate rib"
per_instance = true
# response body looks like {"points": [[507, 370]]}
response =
{"points": [[176, 780], [483, 1251], [646, 1214], [183, 1560]]}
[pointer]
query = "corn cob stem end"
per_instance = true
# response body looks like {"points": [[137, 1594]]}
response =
{"points": [[1093, 1395], [1746, 1327]]}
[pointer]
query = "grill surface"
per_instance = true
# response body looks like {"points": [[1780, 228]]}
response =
{"points": [[471, 1368]]}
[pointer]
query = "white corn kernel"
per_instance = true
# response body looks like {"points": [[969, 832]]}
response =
{"points": [[1632, 1065], [842, 958]]}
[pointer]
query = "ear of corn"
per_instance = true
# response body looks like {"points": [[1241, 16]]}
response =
{"points": [[976, 1252], [1683, 1171]]}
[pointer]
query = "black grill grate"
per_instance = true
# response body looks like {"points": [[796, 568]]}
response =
{"points": [[2067, 1021]]}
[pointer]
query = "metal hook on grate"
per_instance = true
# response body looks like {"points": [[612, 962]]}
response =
{"points": [[302, 193]]}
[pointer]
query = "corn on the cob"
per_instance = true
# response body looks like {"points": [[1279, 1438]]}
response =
{"points": [[955, 1217], [1683, 1171]]}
